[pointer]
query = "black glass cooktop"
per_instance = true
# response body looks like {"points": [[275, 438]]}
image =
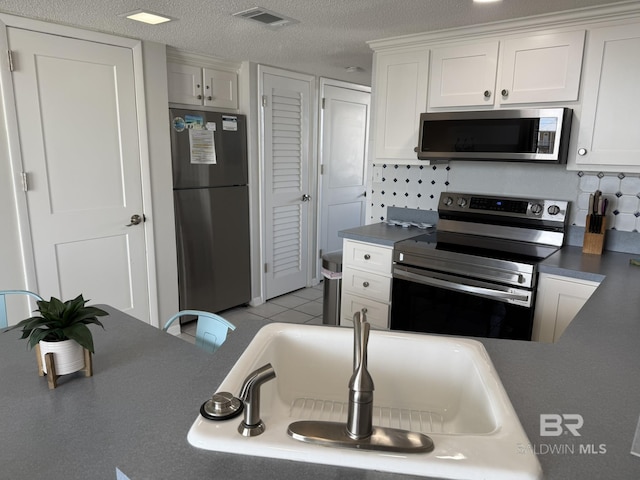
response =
{"points": [[510, 251]]}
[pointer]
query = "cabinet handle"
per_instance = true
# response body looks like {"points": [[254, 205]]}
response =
{"points": [[199, 97], [505, 92], [365, 284], [487, 93], [367, 256], [209, 98], [582, 152]]}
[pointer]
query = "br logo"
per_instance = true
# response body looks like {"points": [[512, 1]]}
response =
{"points": [[554, 425]]}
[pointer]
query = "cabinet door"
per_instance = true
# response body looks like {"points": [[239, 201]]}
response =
{"points": [[463, 76], [377, 312], [368, 257], [543, 68], [559, 300], [220, 88], [366, 284], [610, 122], [401, 96], [185, 84]]}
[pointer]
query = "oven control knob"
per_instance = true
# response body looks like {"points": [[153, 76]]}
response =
{"points": [[447, 201], [553, 210], [536, 209], [462, 202]]}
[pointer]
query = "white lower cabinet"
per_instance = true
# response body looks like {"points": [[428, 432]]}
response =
{"points": [[377, 312], [558, 301], [366, 283]]}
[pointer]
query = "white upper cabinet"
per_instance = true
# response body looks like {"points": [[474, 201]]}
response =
{"points": [[542, 68], [535, 69], [220, 88], [209, 87], [463, 76], [609, 130], [401, 96]]}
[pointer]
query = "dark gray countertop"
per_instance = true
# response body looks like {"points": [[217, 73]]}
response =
{"points": [[135, 412], [381, 233]]}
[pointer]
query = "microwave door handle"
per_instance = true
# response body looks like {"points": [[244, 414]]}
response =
{"points": [[483, 292]]}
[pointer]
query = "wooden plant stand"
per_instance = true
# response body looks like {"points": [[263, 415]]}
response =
{"points": [[52, 376]]}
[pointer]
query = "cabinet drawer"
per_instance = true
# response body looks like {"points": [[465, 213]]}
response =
{"points": [[377, 312], [366, 284], [373, 258]]}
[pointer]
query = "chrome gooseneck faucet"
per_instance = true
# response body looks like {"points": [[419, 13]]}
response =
{"points": [[360, 412], [359, 431], [252, 425]]}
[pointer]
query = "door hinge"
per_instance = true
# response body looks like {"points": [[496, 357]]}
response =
{"points": [[265, 268], [10, 57], [25, 182], [264, 100], [320, 253], [322, 169], [323, 99]]}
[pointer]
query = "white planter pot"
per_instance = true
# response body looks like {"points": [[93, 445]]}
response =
{"points": [[68, 356]]}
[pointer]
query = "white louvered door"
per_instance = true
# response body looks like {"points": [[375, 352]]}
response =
{"points": [[287, 141]]}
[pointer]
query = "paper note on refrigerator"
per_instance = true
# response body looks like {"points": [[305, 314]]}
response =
{"points": [[202, 146]]}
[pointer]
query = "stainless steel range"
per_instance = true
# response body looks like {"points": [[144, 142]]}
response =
{"points": [[476, 274]]}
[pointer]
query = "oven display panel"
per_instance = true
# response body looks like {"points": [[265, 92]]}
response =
{"points": [[499, 205]]}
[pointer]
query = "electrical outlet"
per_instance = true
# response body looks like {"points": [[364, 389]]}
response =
{"points": [[377, 174]]}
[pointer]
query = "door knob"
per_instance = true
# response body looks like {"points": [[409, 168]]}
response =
{"points": [[135, 220], [306, 198]]}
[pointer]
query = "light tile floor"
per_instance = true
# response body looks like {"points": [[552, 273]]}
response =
{"points": [[300, 306]]}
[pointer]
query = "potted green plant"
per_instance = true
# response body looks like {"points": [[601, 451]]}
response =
{"points": [[61, 328]]}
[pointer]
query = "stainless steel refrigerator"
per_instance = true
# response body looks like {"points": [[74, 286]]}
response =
{"points": [[211, 202]]}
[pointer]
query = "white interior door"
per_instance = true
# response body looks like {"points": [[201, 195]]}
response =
{"points": [[78, 128], [286, 126], [345, 128]]}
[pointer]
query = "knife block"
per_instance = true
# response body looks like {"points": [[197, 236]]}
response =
{"points": [[594, 242]]}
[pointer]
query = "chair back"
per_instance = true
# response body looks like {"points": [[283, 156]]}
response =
{"points": [[211, 329], [4, 322]]}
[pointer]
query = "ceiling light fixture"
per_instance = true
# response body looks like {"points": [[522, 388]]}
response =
{"points": [[486, 1], [146, 16]]}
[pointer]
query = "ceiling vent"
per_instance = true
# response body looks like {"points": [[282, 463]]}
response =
{"points": [[266, 17]]}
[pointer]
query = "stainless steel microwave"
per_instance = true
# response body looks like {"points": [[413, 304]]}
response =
{"points": [[530, 135]]}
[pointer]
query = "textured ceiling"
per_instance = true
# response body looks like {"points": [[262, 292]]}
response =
{"points": [[331, 35]]}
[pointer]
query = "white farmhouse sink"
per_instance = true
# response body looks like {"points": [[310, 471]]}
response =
{"points": [[444, 387]]}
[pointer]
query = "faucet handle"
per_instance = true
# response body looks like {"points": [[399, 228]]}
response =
{"points": [[359, 320]]}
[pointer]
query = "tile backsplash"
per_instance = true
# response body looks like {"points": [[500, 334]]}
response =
{"points": [[623, 193], [419, 187], [411, 186]]}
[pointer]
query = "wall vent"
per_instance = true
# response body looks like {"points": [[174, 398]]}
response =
{"points": [[266, 17]]}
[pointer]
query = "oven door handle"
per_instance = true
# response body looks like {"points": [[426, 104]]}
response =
{"points": [[459, 287]]}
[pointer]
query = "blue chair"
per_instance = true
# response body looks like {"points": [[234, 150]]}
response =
{"points": [[211, 330], [3, 303]]}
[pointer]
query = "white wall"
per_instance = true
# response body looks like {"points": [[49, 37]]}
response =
{"points": [[248, 94], [12, 268], [163, 223], [11, 275]]}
